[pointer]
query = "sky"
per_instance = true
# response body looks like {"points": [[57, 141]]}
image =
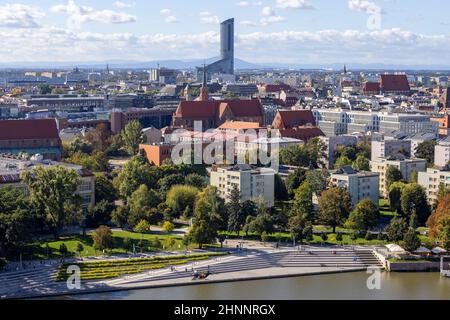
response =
{"points": [[402, 32]]}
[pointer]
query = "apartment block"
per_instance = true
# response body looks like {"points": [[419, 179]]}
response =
{"points": [[11, 168], [253, 183], [389, 148], [361, 185], [442, 155], [432, 180], [406, 167]]}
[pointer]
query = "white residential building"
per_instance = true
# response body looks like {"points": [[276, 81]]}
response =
{"points": [[410, 124], [333, 142], [361, 185], [338, 122], [442, 155], [253, 183], [406, 167], [11, 168], [390, 148], [432, 180]]}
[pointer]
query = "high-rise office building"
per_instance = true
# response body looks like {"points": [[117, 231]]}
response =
{"points": [[226, 63]]}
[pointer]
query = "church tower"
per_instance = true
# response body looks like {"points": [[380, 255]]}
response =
{"points": [[204, 94], [188, 93]]}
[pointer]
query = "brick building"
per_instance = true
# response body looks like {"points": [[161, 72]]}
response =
{"points": [[30, 136]]}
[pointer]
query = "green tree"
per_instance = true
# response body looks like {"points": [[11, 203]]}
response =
{"points": [[316, 151], [364, 217], [339, 237], [134, 173], [334, 207], [295, 179], [361, 163], [392, 175], [168, 226], [303, 203], [444, 232], [395, 194], [341, 162], [142, 227], [45, 89], [17, 220], [104, 189], [396, 229], [411, 241], [103, 238], [318, 180], [78, 146], [80, 248], [54, 190], [100, 213], [234, 211], [132, 136], [262, 223], [414, 178], [414, 199], [181, 197], [141, 203], [195, 180], [63, 249], [425, 150], [281, 193], [208, 217], [299, 227], [120, 216]]}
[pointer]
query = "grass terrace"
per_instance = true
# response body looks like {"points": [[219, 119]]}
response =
{"points": [[114, 269], [49, 249]]}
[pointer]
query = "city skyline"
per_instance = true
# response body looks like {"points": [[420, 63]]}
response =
{"points": [[314, 32]]}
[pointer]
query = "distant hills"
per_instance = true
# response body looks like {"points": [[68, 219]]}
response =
{"points": [[191, 64]]}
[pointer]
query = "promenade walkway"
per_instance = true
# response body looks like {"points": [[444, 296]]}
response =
{"points": [[248, 264]]}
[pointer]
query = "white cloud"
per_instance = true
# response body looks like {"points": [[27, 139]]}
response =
{"points": [[248, 23], [208, 17], [268, 16], [364, 6], [81, 14], [243, 4], [248, 3], [170, 17], [388, 46], [19, 16], [121, 5], [294, 4]]}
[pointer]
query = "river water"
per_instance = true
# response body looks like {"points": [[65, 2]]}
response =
{"points": [[346, 286]]}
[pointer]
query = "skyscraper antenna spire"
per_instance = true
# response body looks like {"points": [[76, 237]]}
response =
{"points": [[205, 79]]}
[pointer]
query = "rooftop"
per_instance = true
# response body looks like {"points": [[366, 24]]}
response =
{"points": [[12, 166]]}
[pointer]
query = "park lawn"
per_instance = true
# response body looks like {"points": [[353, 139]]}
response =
{"points": [[285, 237], [38, 250], [385, 209]]}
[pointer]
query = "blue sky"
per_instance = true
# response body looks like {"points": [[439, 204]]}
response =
{"points": [[290, 31]]}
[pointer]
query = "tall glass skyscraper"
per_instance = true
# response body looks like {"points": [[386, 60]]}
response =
{"points": [[226, 63]]}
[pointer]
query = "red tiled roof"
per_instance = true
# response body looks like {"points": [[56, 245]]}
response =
{"points": [[28, 129], [293, 118], [211, 109], [270, 88], [394, 83], [246, 108], [372, 87], [197, 109], [302, 133]]}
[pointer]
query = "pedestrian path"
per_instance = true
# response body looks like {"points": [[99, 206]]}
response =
{"points": [[41, 282]]}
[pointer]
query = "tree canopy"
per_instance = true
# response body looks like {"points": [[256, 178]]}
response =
{"points": [[54, 191]]}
